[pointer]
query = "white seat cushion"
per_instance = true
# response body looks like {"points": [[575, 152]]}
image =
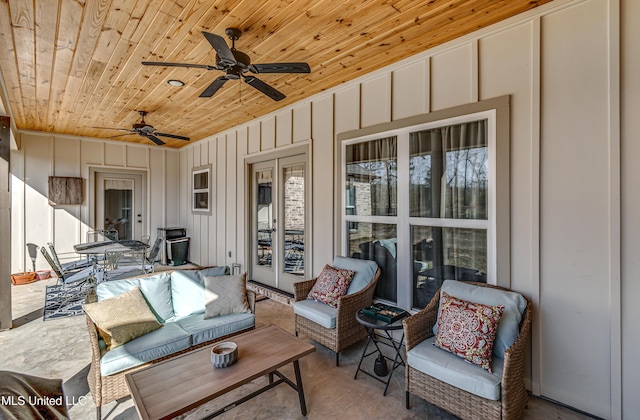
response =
{"points": [[317, 312], [455, 371]]}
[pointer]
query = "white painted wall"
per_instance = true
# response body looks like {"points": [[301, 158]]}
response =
{"points": [[43, 155], [559, 63]]}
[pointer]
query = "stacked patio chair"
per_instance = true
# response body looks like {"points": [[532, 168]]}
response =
{"points": [[74, 284], [70, 266]]}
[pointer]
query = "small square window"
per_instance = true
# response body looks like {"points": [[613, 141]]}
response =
{"points": [[201, 192]]}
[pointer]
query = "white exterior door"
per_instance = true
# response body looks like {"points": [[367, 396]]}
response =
{"points": [[120, 204], [278, 222]]}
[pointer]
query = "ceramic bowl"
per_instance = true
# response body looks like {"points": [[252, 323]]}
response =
{"points": [[224, 354]]}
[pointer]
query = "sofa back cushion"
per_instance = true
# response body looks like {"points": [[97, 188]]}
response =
{"points": [[225, 295], [156, 290], [364, 269], [514, 306], [187, 290]]}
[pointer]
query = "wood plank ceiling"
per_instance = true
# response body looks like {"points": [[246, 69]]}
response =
{"points": [[71, 65]]}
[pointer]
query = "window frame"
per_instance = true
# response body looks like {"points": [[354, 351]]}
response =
{"points": [[497, 224], [197, 171]]}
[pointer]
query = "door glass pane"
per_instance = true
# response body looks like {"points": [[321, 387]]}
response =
{"points": [[293, 179], [446, 254], [118, 198], [372, 178], [449, 172], [377, 242], [264, 217]]}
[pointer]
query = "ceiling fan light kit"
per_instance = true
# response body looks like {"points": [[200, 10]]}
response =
{"points": [[235, 64], [176, 83]]}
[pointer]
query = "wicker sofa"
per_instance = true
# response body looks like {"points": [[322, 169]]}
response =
{"points": [[441, 387], [177, 299]]}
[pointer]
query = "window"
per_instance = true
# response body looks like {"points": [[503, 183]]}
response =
{"points": [[423, 200], [201, 197]]}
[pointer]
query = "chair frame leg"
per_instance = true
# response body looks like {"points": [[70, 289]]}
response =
{"points": [[99, 413], [406, 402], [338, 358]]}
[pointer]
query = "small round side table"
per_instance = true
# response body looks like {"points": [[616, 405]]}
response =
{"points": [[371, 325]]}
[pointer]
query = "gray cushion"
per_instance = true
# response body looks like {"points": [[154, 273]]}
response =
{"points": [[156, 289], [365, 270], [223, 270], [155, 345], [203, 330], [317, 312], [514, 306], [456, 371], [225, 295]]}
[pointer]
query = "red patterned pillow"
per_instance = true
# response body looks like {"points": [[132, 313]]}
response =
{"points": [[331, 284], [468, 329]]}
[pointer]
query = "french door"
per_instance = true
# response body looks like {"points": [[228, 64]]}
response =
{"points": [[120, 203], [279, 222]]}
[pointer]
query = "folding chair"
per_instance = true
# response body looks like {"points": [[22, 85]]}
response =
{"points": [[92, 274], [70, 265], [73, 286], [150, 260]]}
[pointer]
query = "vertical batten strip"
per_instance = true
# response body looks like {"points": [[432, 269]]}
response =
{"points": [[615, 210], [535, 205], [475, 74]]}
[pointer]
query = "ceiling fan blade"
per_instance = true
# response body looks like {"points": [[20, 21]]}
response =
{"points": [[281, 68], [222, 49], [165, 64], [213, 87], [153, 139], [264, 88], [173, 136], [120, 135]]}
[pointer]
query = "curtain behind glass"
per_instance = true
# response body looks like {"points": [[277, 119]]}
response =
{"points": [[449, 172]]}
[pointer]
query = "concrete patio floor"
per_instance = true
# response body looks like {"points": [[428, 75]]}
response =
{"points": [[60, 349]]}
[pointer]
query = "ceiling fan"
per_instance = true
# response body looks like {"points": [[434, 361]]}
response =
{"points": [[235, 64], [145, 130]]}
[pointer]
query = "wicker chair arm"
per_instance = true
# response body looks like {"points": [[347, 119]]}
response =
{"points": [[251, 300], [513, 373], [419, 327], [94, 378], [301, 289]]}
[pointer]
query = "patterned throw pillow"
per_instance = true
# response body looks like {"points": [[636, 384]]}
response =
{"points": [[331, 284], [468, 329]]}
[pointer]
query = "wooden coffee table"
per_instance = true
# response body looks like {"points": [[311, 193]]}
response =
{"points": [[179, 384]]}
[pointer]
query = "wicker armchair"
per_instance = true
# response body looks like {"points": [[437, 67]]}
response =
{"points": [[463, 404], [347, 331]]}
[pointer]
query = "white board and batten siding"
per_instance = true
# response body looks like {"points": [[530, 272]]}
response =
{"points": [[43, 155], [556, 64]]}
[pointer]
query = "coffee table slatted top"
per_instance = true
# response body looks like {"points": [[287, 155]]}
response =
{"points": [[179, 384]]}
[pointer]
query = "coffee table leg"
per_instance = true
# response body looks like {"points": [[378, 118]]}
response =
{"points": [[303, 405]]}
